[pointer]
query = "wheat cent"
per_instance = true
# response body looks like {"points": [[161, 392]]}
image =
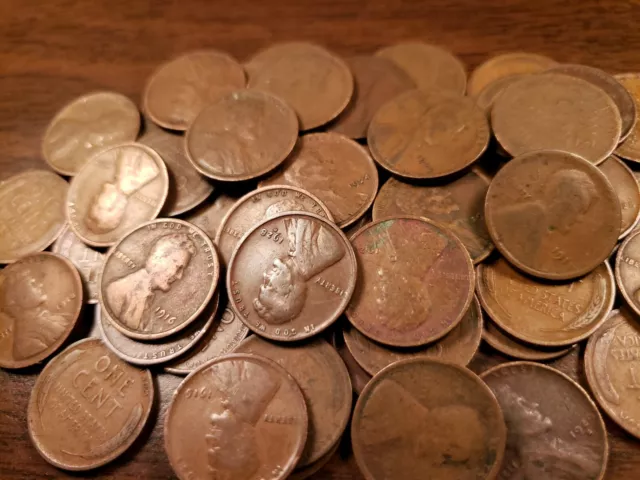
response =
{"points": [[629, 149], [552, 214], [208, 216], [86, 126], [628, 270], [627, 189], [555, 429], [238, 417], [420, 418]]}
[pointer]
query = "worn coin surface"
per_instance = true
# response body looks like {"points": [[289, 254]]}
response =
{"points": [[359, 376], [88, 406], [630, 148], [488, 95], [628, 270], [420, 418], [208, 216], [627, 189]]}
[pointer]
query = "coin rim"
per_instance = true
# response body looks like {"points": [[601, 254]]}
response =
{"points": [[618, 276], [627, 170], [620, 150]]}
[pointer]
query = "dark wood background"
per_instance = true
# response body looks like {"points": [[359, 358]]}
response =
{"points": [[54, 50]]}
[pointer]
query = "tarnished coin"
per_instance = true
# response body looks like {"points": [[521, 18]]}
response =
{"points": [[458, 205], [40, 302], [630, 148], [488, 95], [552, 214], [238, 417], [336, 170], [554, 429], [359, 376], [209, 215], [32, 213], [86, 126], [116, 191], [628, 270], [422, 134], [158, 278], [291, 276], [627, 189], [324, 380], [420, 418], [415, 281], [551, 111], [315, 467], [88, 406], [180, 88]]}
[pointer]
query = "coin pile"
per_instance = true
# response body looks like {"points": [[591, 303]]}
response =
{"points": [[251, 203]]}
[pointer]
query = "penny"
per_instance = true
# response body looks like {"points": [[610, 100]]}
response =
{"points": [[87, 406], [457, 205], [420, 418], [542, 313], [180, 88], [629, 149], [628, 270], [488, 95], [415, 282], [422, 134], [116, 191], [336, 170], [31, 213], [40, 302], [552, 214], [291, 276], [359, 376], [324, 380], [551, 111], [315, 467], [209, 215], [554, 428], [86, 126], [313, 81], [238, 417], [627, 189], [158, 278]]}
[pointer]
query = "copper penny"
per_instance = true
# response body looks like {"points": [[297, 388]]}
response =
{"points": [[415, 281], [488, 95], [420, 418], [335, 169], [40, 302], [316, 83], [551, 111], [552, 214], [627, 189], [86, 126], [32, 213], [554, 429], [628, 270], [88, 406], [359, 376], [238, 417], [116, 191], [458, 205], [315, 467], [629, 149], [158, 278], [422, 134], [324, 380], [180, 88], [209, 215]]}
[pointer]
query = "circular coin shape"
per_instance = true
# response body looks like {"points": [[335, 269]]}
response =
{"points": [[488, 95], [359, 376], [86, 126], [415, 281], [158, 278], [554, 427], [116, 191], [627, 189], [88, 406], [209, 215], [630, 148], [307, 472], [552, 214], [420, 418], [628, 270], [240, 416]]}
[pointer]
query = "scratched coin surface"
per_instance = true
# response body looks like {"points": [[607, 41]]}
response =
{"points": [[180, 88], [552, 214], [32, 213], [629, 149], [359, 376], [420, 418], [116, 191], [554, 429], [627, 189], [158, 278], [208, 216], [426, 134], [291, 276], [336, 170], [238, 417], [88, 406], [86, 126], [628, 270]]}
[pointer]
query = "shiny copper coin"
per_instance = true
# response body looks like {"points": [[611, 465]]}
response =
{"points": [[158, 278], [552, 214], [116, 191], [629, 149], [209, 215], [415, 282], [238, 417], [359, 376], [627, 189], [422, 134], [488, 95], [86, 126], [554, 429], [336, 170], [315, 467], [420, 418], [628, 270]]}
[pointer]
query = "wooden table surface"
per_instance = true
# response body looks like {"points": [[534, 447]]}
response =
{"points": [[54, 50]]}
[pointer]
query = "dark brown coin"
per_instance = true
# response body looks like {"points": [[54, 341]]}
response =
{"points": [[88, 406], [359, 376], [209, 215], [630, 148], [420, 418], [628, 270], [488, 95], [627, 189]]}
